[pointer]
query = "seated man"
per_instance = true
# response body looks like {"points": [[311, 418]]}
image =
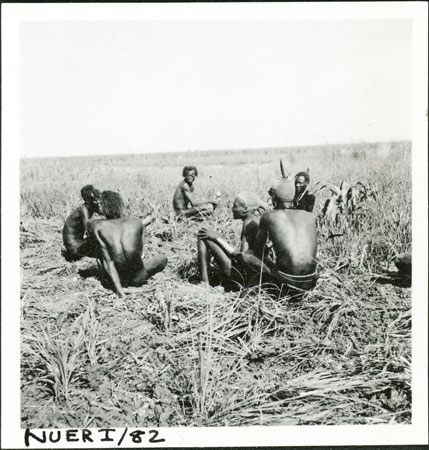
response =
{"points": [[303, 199], [183, 201], [293, 236], [120, 244], [76, 224], [248, 207], [107, 203]]}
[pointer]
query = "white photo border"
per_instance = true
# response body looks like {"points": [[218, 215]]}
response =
{"points": [[14, 14]]}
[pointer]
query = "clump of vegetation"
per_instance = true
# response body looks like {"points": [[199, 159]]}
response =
{"points": [[347, 199], [179, 353]]}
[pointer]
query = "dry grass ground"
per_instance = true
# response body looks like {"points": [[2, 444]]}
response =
{"points": [[176, 352]]}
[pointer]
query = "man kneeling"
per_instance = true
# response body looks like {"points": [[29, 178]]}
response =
{"points": [[120, 244], [293, 236]]}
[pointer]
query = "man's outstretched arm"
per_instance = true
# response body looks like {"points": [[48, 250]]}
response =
{"points": [[148, 220], [257, 258], [211, 235], [190, 198], [109, 265], [84, 215]]}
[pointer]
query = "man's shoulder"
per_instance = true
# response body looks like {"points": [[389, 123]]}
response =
{"points": [[285, 214], [75, 214], [272, 215], [185, 186], [251, 223], [252, 219], [114, 223], [81, 208], [97, 223], [300, 216], [309, 196]]}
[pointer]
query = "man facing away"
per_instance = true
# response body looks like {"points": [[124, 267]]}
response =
{"points": [[120, 245], [293, 236], [302, 198]]}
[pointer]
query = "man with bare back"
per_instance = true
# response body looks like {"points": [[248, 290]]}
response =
{"points": [[293, 236], [120, 244], [75, 227], [183, 200], [248, 207]]}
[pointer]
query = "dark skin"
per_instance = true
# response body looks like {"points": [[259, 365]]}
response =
{"points": [[211, 244], [404, 263], [300, 184], [75, 228], [120, 244], [184, 203], [303, 199], [293, 236]]}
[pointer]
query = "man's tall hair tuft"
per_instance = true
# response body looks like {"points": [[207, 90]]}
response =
{"points": [[282, 169]]}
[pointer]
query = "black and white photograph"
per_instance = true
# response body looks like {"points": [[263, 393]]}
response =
{"points": [[214, 224]]}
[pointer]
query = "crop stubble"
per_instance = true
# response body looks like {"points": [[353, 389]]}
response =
{"points": [[176, 352]]}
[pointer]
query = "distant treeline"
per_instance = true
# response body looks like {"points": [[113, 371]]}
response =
{"points": [[244, 156]]}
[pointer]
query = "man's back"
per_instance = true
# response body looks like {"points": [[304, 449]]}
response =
{"points": [[122, 238], [293, 234]]}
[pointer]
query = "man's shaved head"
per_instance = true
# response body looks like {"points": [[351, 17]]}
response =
{"points": [[252, 201], [283, 190]]}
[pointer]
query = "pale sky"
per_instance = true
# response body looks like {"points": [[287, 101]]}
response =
{"points": [[150, 86]]}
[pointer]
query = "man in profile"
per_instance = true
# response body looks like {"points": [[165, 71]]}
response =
{"points": [[75, 241], [302, 198], [293, 236], [247, 207]]}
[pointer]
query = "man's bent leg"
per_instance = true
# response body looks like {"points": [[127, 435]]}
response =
{"points": [[256, 264], [149, 269], [202, 209], [203, 260], [223, 260], [88, 248]]}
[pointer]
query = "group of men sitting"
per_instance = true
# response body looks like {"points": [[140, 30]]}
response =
{"points": [[278, 246], [116, 241]]}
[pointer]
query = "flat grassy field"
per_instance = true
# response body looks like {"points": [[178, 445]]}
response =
{"points": [[179, 353]]}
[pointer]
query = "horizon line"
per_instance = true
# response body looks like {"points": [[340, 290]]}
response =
{"points": [[359, 143]]}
